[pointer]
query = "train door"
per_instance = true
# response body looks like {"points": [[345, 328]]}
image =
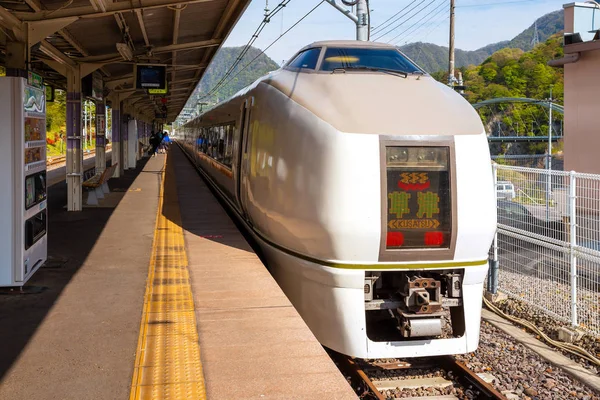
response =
{"points": [[243, 156]]}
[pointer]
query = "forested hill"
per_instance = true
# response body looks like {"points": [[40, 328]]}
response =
{"points": [[222, 62], [515, 73], [434, 58]]}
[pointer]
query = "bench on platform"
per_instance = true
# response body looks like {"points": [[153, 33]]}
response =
{"points": [[97, 185]]}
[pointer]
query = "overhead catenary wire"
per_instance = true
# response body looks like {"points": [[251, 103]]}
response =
{"points": [[416, 60], [255, 35], [494, 4], [404, 22], [423, 28], [270, 45], [395, 21], [443, 3], [385, 24], [432, 15]]}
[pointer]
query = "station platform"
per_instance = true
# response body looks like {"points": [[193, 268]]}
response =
{"points": [[158, 297]]}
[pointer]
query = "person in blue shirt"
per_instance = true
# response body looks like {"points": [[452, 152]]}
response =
{"points": [[164, 145]]}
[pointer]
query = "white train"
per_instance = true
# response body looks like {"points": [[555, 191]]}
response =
{"points": [[368, 187]]}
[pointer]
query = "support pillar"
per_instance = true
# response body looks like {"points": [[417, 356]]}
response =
{"points": [[16, 59], [140, 134], [147, 135], [116, 156], [100, 136], [74, 165], [125, 140]]}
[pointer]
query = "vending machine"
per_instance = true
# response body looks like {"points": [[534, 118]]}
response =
{"points": [[23, 199]]}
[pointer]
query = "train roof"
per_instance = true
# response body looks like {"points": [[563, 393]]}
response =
{"points": [[380, 103], [348, 43]]}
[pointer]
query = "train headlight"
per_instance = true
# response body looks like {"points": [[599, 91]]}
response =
{"points": [[417, 156]]}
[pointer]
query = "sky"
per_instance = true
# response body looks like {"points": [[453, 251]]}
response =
{"points": [[477, 23]]}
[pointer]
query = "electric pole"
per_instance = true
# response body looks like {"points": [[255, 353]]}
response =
{"points": [[451, 47], [549, 183], [536, 39], [361, 18]]}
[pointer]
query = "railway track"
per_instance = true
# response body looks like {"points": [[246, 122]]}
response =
{"points": [[433, 377], [62, 159]]}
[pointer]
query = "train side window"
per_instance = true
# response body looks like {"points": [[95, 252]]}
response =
{"points": [[220, 143], [307, 59], [229, 145]]}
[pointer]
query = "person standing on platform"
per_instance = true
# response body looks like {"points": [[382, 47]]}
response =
{"points": [[155, 140], [165, 142]]}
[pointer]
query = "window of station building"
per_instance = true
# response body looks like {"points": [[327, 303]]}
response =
{"points": [[307, 59], [366, 58]]}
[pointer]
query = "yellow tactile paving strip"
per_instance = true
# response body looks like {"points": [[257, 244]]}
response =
{"points": [[167, 362]]}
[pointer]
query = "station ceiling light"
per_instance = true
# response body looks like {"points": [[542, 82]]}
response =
{"points": [[125, 51]]}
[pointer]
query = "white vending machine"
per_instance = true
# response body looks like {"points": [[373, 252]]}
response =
{"points": [[23, 211]]}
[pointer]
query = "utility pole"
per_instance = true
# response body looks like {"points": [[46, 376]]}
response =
{"points": [[549, 190], [361, 18], [550, 131], [536, 38], [451, 47], [84, 124]]}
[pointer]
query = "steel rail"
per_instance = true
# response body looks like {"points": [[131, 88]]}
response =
{"points": [[358, 377], [469, 379], [61, 159], [471, 382]]}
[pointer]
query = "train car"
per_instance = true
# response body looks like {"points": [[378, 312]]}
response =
{"points": [[368, 187]]}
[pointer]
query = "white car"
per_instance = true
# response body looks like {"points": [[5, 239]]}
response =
{"points": [[505, 190]]}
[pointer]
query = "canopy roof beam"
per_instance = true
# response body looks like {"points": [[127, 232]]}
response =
{"points": [[111, 8], [140, 18], [116, 57], [176, 19]]}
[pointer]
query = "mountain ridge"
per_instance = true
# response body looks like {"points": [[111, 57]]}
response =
{"points": [[431, 57], [434, 58]]}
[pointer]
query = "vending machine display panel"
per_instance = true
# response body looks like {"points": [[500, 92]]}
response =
{"points": [[35, 189]]}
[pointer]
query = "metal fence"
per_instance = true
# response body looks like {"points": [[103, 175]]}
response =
{"points": [[547, 245], [530, 161]]}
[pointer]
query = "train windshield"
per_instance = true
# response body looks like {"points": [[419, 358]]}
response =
{"points": [[367, 59]]}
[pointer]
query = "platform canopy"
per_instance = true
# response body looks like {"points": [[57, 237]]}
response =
{"points": [[112, 36]]}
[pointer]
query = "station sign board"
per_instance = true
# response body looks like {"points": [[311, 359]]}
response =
{"points": [[159, 91], [35, 80], [151, 76]]}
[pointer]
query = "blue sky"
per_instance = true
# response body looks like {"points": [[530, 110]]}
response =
{"points": [[478, 23]]}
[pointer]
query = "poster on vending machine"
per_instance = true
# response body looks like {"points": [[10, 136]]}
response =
{"points": [[34, 102], [34, 129]]}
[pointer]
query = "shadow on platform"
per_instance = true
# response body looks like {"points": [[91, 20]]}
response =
{"points": [[202, 213], [71, 238]]}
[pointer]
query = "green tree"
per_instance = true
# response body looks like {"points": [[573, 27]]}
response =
{"points": [[489, 71]]}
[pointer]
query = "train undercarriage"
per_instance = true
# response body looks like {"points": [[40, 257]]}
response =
{"points": [[407, 305]]}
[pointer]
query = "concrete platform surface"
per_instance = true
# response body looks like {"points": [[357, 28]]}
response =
{"points": [[253, 343], [95, 320], [77, 338]]}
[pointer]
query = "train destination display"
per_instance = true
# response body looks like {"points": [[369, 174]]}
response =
{"points": [[418, 191]]}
